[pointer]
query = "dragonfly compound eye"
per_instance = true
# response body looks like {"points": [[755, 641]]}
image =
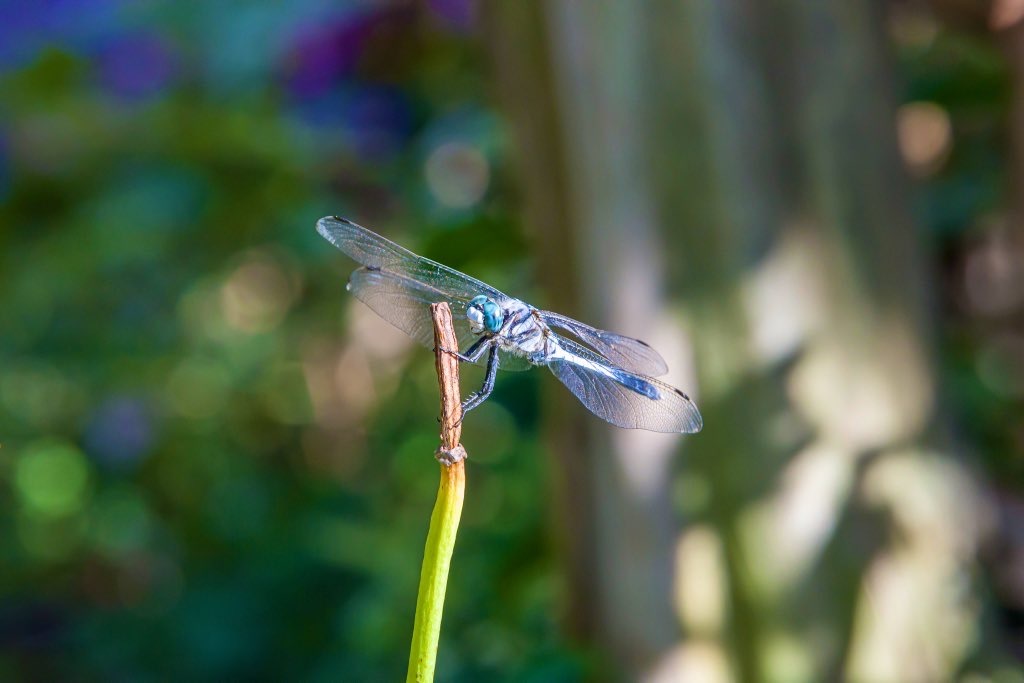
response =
{"points": [[484, 314], [493, 316]]}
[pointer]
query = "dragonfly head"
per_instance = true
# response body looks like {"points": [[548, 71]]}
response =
{"points": [[484, 315]]}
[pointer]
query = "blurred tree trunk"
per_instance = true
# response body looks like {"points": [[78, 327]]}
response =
{"points": [[522, 61], [614, 515], [740, 155]]}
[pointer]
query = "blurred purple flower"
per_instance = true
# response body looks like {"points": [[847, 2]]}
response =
{"points": [[459, 14], [136, 65], [28, 27], [376, 121], [120, 431], [323, 53]]}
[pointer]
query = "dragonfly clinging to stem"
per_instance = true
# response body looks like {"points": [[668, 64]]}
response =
{"points": [[610, 374]]}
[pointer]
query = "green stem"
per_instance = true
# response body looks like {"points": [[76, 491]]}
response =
{"points": [[444, 524]]}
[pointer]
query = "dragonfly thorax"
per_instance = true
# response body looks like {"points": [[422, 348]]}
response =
{"points": [[484, 315]]}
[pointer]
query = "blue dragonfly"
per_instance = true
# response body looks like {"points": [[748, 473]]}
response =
{"points": [[609, 373]]}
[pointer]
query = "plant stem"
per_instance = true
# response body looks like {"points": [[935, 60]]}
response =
{"points": [[444, 521]]}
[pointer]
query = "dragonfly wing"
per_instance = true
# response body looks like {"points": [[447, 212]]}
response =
{"points": [[625, 352], [405, 303], [374, 251], [623, 398]]}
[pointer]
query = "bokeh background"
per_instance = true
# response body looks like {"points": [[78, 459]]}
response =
{"points": [[216, 465]]}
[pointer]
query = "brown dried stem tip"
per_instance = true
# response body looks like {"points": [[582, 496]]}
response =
{"points": [[445, 341]]}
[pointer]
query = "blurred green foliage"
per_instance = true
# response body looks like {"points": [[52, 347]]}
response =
{"points": [[178, 503], [963, 204]]}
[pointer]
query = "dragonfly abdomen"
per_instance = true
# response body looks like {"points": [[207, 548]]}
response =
{"points": [[637, 384]]}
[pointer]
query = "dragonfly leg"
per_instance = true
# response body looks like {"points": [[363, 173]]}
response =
{"points": [[478, 397], [473, 353]]}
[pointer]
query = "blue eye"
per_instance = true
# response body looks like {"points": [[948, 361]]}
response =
{"points": [[485, 313], [492, 316]]}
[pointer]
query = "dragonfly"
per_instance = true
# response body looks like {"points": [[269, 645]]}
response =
{"points": [[612, 375]]}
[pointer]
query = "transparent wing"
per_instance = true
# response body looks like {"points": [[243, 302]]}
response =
{"points": [[623, 398], [374, 251], [405, 303], [627, 353]]}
